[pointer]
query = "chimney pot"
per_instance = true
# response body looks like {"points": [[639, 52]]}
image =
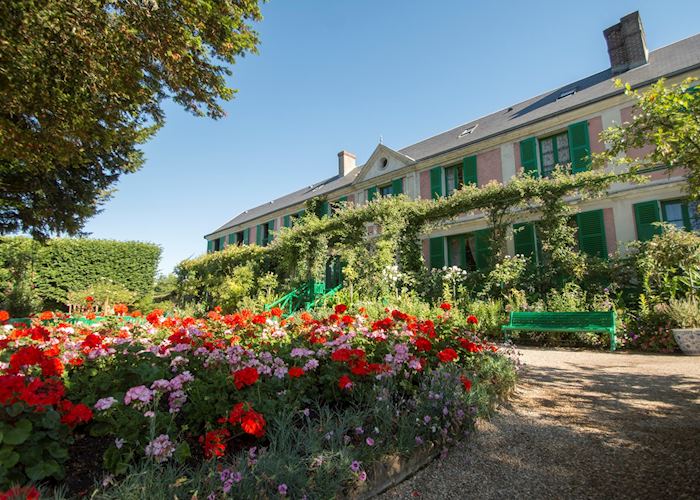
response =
{"points": [[346, 163], [627, 44]]}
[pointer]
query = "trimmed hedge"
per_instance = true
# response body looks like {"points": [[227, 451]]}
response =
{"points": [[66, 264]]}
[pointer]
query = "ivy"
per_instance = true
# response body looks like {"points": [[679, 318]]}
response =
{"points": [[386, 232]]}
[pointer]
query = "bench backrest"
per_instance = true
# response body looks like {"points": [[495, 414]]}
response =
{"points": [[564, 319]]}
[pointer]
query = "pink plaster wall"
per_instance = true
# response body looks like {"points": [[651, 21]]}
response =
{"points": [[610, 234], [426, 251], [351, 199], [626, 115], [425, 184], [516, 152], [488, 167], [253, 235], [595, 127]]}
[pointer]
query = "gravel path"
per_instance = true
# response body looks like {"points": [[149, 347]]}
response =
{"points": [[581, 425]]}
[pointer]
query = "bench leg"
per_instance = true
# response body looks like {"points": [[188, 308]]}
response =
{"points": [[612, 342]]}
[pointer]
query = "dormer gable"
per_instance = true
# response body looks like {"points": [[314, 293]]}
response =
{"points": [[383, 160]]}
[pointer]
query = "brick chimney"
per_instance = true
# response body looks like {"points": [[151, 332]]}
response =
{"points": [[627, 44], [346, 163]]}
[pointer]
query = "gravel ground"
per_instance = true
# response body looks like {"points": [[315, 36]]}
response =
{"points": [[581, 425]]}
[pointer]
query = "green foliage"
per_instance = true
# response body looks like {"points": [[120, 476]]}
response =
{"points": [[50, 271], [683, 313], [82, 85], [105, 294], [666, 117], [668, 265]]}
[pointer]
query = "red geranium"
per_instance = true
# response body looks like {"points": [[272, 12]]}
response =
{"points": [[4, 315], [39, 393], [295, 372], [259, 319], [472, 320], [214, 442], [73, 415], [20, 492], [120, 309], [153, 317], [234, 418], [276, 311], [447, 355], [245, 376], [340, 308], [470, 346], [46, 315], [445, 306], [344, 382], [51, 367], [253, 423], [466, 383], [423, 344]]}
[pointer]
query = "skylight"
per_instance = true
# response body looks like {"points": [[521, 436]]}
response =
{"points": [[468, 131], [566, 93]]}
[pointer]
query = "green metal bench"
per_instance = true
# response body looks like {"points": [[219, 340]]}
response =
{"points": [[597, 322]]}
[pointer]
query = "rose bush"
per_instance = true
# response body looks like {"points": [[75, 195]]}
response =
{"points": [[231, 387]]}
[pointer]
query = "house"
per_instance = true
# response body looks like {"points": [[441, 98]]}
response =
{"points": [[558, 127]]}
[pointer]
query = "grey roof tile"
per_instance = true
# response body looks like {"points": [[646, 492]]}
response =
{"points": [[666, 61]]}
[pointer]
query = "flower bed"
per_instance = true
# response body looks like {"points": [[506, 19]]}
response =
{"points": [[242, 404]]}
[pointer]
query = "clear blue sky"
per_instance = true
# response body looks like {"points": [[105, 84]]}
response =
{"points": [[336, 75]]}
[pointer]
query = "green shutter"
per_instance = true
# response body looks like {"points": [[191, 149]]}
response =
{"points": [[483, 249], [222, 241], [579, 146], [259, 235], [323, 209], [371, 193], [232, 239], [287, 221], [343, 199], [469, 170], [397, 186], [437, 252], [528, 156], [591, 233], [246, 236], [270, 230], [645, 214], [524, 239], [210, 246], [436, 182]]}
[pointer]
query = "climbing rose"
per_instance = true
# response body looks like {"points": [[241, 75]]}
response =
{"points": [[245, 376], [447, 355]]}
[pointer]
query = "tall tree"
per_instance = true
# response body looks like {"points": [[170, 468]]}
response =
{"points": [[667, 118], [81, 86]]}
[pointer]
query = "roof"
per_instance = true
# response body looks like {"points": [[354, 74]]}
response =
{"points": [[676, 58], [292, 199]]}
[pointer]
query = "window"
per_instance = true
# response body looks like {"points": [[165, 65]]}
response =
{"points": [[681, 214], [217, 244], [571, 146], [386, 190], [554, 150], [454, 179], [240, 240], [470, 251]]}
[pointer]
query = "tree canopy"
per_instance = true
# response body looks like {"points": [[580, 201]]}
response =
{"points": [[81, 86], [666, 117]]}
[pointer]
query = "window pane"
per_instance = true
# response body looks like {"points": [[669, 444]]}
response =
{"points": [[385, 190], [563, 149], [673, 214], [454, 252], [450, 180], [471, 252], [547, 148]]}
